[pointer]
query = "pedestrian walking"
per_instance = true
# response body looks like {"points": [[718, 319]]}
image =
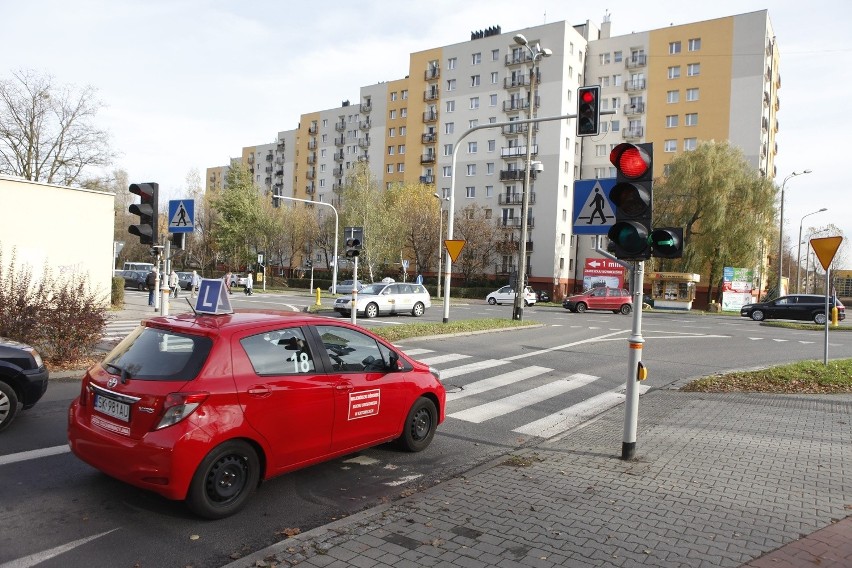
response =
{"points": [[173, 283], [249, 289], [228, 282], [195, 282], [151, 284]]}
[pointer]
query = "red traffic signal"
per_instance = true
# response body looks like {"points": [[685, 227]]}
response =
{"points": [[632, 160], [588, 111], [147, 229], [632, 196]]}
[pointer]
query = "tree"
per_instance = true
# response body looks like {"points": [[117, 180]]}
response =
{"points": [[239, 226], [479, 234], [417, 210], [725, 207], [47, 132]]}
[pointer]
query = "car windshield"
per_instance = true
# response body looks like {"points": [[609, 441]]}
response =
{"points": [[158, 355], [372, 289]]}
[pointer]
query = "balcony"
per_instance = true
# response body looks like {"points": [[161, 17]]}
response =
{"points": [[510, 129], [634, 109], [312, 145], [338, 171], [635, 85], [514, 198], [364, 143], [515, 82], [515, 175], [430, 95], [519, 104], [312, 158], [512, 247], [282, 144], [337, 186], [279, 161], [279, 173], [366, 107], [269, 157], [427, 159], [340, 126], [340, 140], [429, 138], [431, 74], [311, 174], [269, 169], [518, 58], [515, 151], [338, 156], [310, 188], [634, 133], [312, 129], [514, 223], [636, 61], [364, 157], [365, 125], [430, 116], [427, 179]]}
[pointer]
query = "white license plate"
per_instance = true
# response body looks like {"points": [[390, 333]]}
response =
{"points": [[112, 408]]}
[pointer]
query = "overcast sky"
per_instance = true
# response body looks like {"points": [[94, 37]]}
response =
{"points": [[188, 83]]}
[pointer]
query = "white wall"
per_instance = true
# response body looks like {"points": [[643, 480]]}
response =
{"points": [[68, 229]]}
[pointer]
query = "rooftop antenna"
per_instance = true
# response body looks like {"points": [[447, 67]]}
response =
{"points": [[545, 16]]}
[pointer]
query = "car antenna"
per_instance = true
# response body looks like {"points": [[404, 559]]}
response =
{"points": [[191, 307]]}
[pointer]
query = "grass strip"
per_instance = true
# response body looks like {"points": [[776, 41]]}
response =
{"points": [[803, 377], [409, 330]]}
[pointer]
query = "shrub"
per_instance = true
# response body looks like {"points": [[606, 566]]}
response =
{"points": [[117, 294], [62, 318]]}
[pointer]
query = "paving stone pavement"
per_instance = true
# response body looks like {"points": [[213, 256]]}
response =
{"points": [[721, 480]]}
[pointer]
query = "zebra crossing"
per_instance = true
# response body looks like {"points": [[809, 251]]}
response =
{"points": [[513, 396], [115, 331]]}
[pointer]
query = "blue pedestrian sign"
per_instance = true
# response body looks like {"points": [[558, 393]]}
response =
{"points": [[594, 213], [212, 297], [181, 215]]}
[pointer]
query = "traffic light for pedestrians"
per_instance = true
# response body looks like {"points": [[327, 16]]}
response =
{"points": [[146, 230], [588, 111], [632, 196], [353, 247], [667, 242]]}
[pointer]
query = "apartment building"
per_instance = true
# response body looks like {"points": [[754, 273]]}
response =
{"points": [[673, 86]]}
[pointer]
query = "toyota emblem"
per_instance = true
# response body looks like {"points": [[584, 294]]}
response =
{"points": [[112, 382]]}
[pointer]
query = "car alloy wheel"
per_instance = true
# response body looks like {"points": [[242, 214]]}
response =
{"points": [[757, 315], [581, 307], [371, 311], [626, 309], [820, 319], [492, 301], [419, 309]]}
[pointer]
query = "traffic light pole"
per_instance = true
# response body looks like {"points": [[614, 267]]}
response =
{"points": [[634, 359], [353, 313]]}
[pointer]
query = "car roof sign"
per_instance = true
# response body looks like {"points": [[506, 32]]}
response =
{"points": [[212, 298]]}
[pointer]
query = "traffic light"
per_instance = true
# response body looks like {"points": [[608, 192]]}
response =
{"points": [[146, 230], [632, 196], [667, 242], [588, 111], [178, 240], [353, 247]]}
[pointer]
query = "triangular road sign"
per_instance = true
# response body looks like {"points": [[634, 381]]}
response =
{"points": [[454, 247], [825, 249]]}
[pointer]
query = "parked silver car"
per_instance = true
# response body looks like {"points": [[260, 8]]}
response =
{"points": [[346, 286], [395, 298]]}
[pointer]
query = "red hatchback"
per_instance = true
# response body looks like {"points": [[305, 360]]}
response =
{"points": [[204, 407], [611, 299]]}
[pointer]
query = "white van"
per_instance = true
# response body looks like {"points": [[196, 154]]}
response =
{"points": [[146, 266]]}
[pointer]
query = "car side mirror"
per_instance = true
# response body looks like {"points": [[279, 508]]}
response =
{"points": [[394, 361]]}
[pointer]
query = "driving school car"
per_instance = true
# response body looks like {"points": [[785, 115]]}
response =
{"points": [[202, 408]]}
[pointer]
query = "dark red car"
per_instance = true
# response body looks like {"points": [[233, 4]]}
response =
{"points": [[203, 407], [611, 299]]}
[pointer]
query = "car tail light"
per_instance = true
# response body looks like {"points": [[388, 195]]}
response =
{"points": [[179, 405]]}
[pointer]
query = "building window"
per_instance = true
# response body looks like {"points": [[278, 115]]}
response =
{"points": [[693, 69], [393, 96], [673, 97], [400, 149], [692, 94], [600, 150], [392, 114], [400, 167], [471, 169], [474, 80], [671, 121], [494, 77], [489, 168], [448, 149], [474, 103], [674, 47], [616, 80], [476, 59], [472, 123], [617, 56], [402, 131], [470, 191], [451, 63], [493, 100], [471, 147], [674, 72], [391, 132], [451, 106], [495, 55], [604, 57], [601, 173], [451, 84], [404, 94], [691, 119], [690, 144], [447, 171], [564, 214], [670, 146], [489, 192], [403, 112], [449, 128], [390, 150], [694, 44], [390, 168]]}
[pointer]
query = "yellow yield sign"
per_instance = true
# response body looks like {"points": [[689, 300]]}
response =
{"points": [[454, 247], [825, 249]]}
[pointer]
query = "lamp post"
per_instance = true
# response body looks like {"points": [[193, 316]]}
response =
{"points": [[537, 53], [440, 234], [334, 272], [781, 231], [799, 252]]}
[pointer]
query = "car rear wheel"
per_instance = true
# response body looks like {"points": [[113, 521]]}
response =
{"points": [[8, 405], [141, 287], [224, 480], [819, 319], [419, 309], [581, 307], [492, 301], [626, 309], [419, 426], [758, 315], [371, 311]]}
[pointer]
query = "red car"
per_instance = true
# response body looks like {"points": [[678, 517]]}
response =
{"points": [[610, 299], [203, 407]]}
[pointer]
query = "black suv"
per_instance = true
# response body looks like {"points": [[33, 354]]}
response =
{"points": [[806, 307], [23, 379]]}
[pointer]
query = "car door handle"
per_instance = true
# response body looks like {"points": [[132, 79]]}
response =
{"points": [[260, 390], [343, 386]]}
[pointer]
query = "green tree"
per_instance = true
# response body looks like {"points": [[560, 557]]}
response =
{"points": [[480, 235], [417, 210], [239, 224], [726, 208]]}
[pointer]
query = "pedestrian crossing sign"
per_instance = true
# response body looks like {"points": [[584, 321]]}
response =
{"points": [[594, 213], [212, 297], [181, 215]]}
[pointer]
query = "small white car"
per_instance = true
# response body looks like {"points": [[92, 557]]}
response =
{"points": [[394, 298], [506, 295]]}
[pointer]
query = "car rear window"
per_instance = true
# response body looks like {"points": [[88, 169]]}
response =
{"points": [[151, 354]]}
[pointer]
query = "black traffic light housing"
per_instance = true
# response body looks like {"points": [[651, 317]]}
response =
{"points": [[632, 196], [588, 111], [178, 240], [353, 247], [147, 229], [667, 242]]}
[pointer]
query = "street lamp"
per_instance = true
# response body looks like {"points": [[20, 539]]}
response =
{"points": [[440, 234], [799, 253], [334, 272], [781, 232], [537, 53]]}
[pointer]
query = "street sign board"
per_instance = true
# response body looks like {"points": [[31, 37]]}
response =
{"points": [[181, 215], [212, 297], [594, 213], [454, 247], [825, 249]]}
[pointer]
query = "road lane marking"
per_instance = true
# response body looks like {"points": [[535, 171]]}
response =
{"points": [[497, 381], [471, 367], [34, 454], [438, 359], [45, 555], [414, 352], [558, 347]]}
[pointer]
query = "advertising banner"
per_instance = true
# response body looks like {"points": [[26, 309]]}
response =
{"points": [[737, 285]]}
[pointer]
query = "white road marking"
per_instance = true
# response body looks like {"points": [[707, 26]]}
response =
{"points": [[558, 347], [438, 359], [45, 555], [497, 381], [471, 367], [415, 352], [400, 481], [362, 460], [34, 454]]}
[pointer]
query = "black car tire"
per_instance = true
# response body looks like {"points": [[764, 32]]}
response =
{"points": [[626, 309], [418, 310], [580, 307], [819, 318], [224, 480], [371, 311], [758, 315], [8, 405], [492, 301], [420, 425], [141, 287]]}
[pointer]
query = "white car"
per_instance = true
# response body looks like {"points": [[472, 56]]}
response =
{"points": [[346, 286], [506, 295], [395, 298], [238, 279]]}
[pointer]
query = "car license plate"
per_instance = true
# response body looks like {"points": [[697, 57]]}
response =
{"points": [[112, 408]]}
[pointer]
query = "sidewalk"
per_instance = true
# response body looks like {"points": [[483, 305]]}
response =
{"points": [[719, 480]]}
